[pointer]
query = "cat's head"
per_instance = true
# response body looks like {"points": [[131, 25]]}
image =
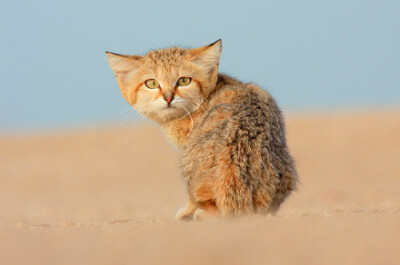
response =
{"points": [[167, 84]]}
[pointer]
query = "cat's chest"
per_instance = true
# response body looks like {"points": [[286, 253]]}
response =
{"points": [[179, 131]]}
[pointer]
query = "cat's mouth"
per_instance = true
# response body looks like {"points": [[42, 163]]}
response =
{"points": [[170, 107]]}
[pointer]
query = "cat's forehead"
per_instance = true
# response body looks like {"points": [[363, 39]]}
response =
{"points": [[170, 55]]}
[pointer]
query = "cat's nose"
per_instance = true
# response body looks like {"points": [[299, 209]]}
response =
{"points": [[169, 99]]}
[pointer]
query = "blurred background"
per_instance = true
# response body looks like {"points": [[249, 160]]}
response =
{"points": [[83, 182], [310, 55]]}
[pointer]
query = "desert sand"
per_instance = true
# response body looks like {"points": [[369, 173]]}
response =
{"points": [[109, 195]]}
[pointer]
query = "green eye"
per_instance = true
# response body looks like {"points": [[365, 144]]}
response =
{"points": [[152, 83], [184, 81]]}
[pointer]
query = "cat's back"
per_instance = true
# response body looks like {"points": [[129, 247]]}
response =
{"points": [[240, 139], [242, 120], [235, 106]]}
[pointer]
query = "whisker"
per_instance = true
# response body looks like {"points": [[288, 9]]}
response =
{"points": [[189, 116], [124, 112], [196, 98], [202, 107], [130, 115]]}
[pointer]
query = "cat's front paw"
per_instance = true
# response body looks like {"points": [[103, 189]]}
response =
{"points": [[183, 215], [201, 214]]}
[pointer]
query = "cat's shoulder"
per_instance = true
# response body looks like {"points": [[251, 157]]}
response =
{"points": [[232, 91], [235, 102]]}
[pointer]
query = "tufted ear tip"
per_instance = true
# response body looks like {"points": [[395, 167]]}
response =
{"points": [[216, 45], [207, 55], [218, 42]]}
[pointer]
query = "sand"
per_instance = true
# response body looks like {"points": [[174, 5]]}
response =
{"points": [[109, 196]]}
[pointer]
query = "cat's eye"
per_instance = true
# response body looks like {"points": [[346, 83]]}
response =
{"points": [[152, 84], [184, 81]]}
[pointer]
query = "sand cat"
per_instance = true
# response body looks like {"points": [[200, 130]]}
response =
{"points": [[232, 135]]}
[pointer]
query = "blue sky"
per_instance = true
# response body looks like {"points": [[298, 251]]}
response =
{"points": [[310, 55]]}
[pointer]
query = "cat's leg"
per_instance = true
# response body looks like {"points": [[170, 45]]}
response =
{"points": [[203, 194], [221, 191], [186, 213], [206, 210]]}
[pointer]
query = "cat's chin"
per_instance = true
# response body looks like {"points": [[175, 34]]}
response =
{"points": [[167, 114]]}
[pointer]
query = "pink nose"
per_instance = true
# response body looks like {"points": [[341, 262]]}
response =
{"points": [[168, 99]]}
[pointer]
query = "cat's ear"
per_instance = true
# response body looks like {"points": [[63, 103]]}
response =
{"points": [[122, 64], [207, 56]]}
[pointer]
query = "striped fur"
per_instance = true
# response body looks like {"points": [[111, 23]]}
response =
{"points": [[232, 135]]}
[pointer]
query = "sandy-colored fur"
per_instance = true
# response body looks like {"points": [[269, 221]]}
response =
{"points": [[232, 136]]}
